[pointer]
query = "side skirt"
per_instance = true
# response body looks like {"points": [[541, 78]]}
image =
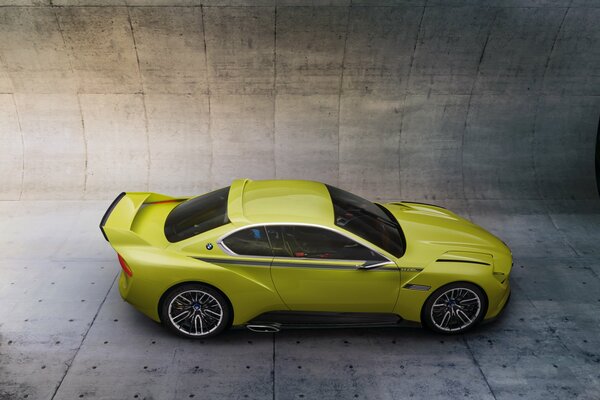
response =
{"points": [[320, 320]]}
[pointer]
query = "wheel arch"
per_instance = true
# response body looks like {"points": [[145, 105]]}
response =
{"points": [[179, 284], [487, 300]]}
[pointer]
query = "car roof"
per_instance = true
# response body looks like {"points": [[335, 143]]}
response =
{"points": [[279, 201]]}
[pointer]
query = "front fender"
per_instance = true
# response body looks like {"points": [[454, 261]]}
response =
{"points": [[437, 274]]}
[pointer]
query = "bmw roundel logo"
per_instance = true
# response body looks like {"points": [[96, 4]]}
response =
{"points": [[209, 246]]}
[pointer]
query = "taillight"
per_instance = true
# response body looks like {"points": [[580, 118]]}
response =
{"points": [[125, 267]]}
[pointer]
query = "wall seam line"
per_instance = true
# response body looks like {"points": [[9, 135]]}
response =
{"points": [[22, 145], [410, 67], [85, 145], [340, 88], [538, 104], [69, 51], [466, 123], [143, 93], [208, 94], [274, 140]]}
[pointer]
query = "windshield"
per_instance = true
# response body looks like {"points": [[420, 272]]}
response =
{"points": [[197, 215], [367, 220]]}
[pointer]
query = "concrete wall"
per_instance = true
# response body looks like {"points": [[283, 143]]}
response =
{"points": [[461, 99]]}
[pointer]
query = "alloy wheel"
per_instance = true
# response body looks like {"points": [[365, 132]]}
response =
{"points": [[195, 312], [455, 309]]}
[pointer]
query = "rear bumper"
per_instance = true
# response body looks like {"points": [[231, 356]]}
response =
{"points": [[145, 302], [108, 212]]}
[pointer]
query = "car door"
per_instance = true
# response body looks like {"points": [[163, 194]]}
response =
{"points": [[246, 252], [318, 269]]}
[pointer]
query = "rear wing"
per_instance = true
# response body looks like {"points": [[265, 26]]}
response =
{"points": [[120, 214]]}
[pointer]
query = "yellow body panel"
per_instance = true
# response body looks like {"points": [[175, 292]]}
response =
{"points": [[254, 285]]}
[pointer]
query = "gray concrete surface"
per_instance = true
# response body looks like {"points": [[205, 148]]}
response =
{"points": [[462, 99], [66, 334]]}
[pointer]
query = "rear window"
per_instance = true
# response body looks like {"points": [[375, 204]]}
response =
{"points": [[197, 215]]}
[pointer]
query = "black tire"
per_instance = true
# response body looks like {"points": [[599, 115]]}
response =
{"points": [[454, 308], [195, 311]]}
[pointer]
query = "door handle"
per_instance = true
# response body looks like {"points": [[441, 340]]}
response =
{"points": [[372, 264]]}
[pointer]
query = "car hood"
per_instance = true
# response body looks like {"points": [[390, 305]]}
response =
{"points": [[437, 230]]}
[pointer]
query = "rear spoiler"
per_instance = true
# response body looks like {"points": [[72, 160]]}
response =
{"points": [[107, 214], [122, 211]]}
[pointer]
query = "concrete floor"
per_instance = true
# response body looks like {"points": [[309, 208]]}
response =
{"points": [[65, 333]]}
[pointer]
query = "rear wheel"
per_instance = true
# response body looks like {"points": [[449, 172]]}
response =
{"points": [[454, 308], [196, 311]]}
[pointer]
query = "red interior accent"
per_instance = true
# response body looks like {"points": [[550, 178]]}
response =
{"points": [[164, 201], [125, 267]]}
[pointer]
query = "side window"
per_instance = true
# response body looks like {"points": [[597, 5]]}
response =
{"points": [[249, 242], [312, 242]]}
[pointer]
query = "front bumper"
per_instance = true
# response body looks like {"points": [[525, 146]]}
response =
{"points": [[500, 305]]}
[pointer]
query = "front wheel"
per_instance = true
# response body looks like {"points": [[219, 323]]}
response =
{"points": [[195, 311], [454, 308]]}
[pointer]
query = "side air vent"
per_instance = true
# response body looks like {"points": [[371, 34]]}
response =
{"points": [[423, 288]]}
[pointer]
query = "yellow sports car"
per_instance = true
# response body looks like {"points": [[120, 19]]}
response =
{"points": [[287, 253]]}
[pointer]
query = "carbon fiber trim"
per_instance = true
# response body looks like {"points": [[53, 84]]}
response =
{"points": [[282, 264], [462, 261], [108, 212], [250, 263]]}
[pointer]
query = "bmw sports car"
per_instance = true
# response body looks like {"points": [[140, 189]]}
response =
{"points": [[287, 253]]}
